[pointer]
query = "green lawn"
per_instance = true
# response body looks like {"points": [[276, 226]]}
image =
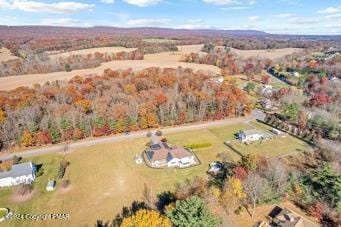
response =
{"points": [[104, 177]]}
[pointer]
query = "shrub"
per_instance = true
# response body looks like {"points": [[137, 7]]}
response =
{"points": [[239, 210], [316, 211], [198, 145], [67, 68], [62, 167], [16, 159], [158, 133], [40, 172]]}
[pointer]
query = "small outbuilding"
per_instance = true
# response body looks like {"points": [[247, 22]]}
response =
{"points": [[215, 167], [51, 185], [276, 131]]}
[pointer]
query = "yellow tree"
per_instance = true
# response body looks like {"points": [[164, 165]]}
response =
{"points": [[146, 218], [232, 194], [28, 139], [84, 104], [2, 116]]}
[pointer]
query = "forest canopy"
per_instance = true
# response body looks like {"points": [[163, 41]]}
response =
{"points": [[115, 102]]}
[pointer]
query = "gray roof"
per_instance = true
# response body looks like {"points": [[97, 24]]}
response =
{"points": [[17, 170], [252, 132], [51, 183]]}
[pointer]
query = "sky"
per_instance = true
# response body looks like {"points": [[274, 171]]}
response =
{"points": [[317, 17]]}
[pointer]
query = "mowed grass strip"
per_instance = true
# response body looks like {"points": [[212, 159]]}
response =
{"points": [[104, 177]]}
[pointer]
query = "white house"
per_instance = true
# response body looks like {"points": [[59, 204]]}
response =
{"points": [[266, 90], [296, 74], [248, 136], [160, 154], [23, 173]]}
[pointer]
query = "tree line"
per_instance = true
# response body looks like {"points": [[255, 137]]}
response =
{"points": [[114, 102]]}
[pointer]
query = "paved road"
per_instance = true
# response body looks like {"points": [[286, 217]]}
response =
{"points": [[140, 134]]}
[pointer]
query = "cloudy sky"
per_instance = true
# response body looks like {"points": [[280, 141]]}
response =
{"points": [[274, 16]]}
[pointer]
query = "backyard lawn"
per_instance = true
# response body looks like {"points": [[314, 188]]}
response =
{"points": [[104, 177]]}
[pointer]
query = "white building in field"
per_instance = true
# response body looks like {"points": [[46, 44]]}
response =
{"points": [[266, 91], [23, 173], [248, 136], [160, 154]]}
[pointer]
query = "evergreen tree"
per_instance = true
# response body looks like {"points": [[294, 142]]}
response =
{"points": [[192, 212], [54, 133]]}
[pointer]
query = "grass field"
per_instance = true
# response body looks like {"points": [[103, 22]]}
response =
{"points": [[162, 60], [6, 55], [104, 177], [108, 50], [271, 54]]}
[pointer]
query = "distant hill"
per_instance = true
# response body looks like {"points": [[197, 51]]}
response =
{"points": [[36, 31], [10, 32]]}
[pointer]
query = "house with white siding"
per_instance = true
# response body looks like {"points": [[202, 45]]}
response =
{"points": [[23, 173], [248, 136], [161, 154]]}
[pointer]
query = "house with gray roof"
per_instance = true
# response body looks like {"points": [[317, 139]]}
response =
{"points": [[23, 173], [247, 136], [161, 154]]}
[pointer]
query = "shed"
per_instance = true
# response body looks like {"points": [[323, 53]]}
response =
{"points": [[51, 185]]}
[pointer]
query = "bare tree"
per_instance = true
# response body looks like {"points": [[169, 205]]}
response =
{"points": [[148, 196], [254, 187], [276, 174]]}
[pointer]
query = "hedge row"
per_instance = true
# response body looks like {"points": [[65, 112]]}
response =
{"points": [[198, 145]]}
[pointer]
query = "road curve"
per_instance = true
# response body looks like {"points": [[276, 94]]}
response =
{"points": [[120, 137]]}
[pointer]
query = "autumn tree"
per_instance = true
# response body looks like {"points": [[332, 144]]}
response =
{"points": [[249, 162], [265, 79], [232, 194], [302, 120], [84, 104], [240, 172], [316, 210], [28, 139], [2, 116], [146, 218]]}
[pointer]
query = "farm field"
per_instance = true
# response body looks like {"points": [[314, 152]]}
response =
{"points": [[6, 55], [164, 60], [108, 50], [271, 54], [105, 176]]}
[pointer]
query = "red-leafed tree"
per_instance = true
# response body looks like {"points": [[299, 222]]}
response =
{"points": [[240, 172], [319, 99]]}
